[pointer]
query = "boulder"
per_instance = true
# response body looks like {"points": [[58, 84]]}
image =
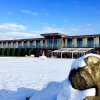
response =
{"points": [[88, 76], [92, 98]]}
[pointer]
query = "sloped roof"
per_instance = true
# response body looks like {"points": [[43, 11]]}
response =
{"points": [[74, 50]]}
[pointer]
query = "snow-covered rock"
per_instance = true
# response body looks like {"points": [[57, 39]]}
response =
{"points": [[87, 76]]}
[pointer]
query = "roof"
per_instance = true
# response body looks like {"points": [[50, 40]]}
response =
{"points": [[74, 50], [53, 34], [31, 39], [82, 36], [69, 36], [43, 36]]}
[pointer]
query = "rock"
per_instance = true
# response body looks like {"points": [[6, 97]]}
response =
{"points": [[92, 98], [88, 76]]}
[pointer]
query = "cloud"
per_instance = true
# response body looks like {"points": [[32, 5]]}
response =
{"points": [[11, 27], [73, 30], [53, 25], [29, 12], [15, 31], [82, 30], [18, 31], [89, 24], [52, 30], [17, 35], [21, 35]]}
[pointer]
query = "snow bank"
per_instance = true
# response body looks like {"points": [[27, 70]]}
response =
{"points": [[43, 57], [80, 61], [48, 93], [22, 77], [62, 91], [69, 93]]}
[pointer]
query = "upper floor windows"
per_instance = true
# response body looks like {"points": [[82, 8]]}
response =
{"points": [[79, 42], [90, 42], [69, 43]]}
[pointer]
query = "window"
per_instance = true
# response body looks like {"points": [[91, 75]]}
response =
{"points": [[90, 42], [79, 42], [69, 43]]}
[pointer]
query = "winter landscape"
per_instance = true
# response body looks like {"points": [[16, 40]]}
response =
{"points": [[38, 79], [60, 30]]}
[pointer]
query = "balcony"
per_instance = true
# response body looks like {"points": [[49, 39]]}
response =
{"points": [[38, 46], [51, 46]]}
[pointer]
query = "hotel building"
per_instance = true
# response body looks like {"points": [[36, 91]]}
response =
{"points": [[49, 44]]}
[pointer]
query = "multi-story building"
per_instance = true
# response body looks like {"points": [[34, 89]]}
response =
{"points": [[47, 44]]}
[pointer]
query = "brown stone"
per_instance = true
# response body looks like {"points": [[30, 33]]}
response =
{"points": [[87, 76], [92, 98]]}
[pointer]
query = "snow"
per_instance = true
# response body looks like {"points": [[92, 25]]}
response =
{"points": [[91, 54], [72, 94], [32, 55], [43, 57], [80, 61], [37, 78]]}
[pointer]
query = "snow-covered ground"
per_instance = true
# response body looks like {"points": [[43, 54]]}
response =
{"points": [[38, 78]]}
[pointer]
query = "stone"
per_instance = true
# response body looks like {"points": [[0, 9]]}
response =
{"points": [[88, 76], [92, 98]]}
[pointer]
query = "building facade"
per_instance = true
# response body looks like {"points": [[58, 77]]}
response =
{"points": [[47, 44]]}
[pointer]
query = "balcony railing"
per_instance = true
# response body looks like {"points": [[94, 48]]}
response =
{"points": [[51, 46], [26, 47]]}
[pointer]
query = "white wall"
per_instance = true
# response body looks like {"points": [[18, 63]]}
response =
{"points": [[6, 45], [16, 45], [84, 42], [2, 45], [41, 43], [96, 41], [65, 42], [74, 42], [28, 43]]}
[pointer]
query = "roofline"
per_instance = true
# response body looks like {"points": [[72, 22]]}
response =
{"points": [[30, 39], [52, 34], [82, 36]]}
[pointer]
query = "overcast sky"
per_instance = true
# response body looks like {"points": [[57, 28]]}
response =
{"points": [[29, 18]]}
